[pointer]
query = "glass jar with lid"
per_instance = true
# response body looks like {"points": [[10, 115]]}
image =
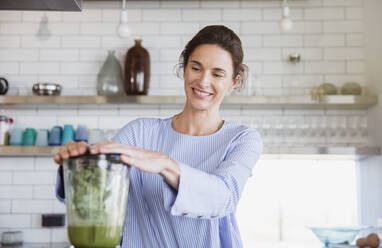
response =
{"points": [[96, 190]]}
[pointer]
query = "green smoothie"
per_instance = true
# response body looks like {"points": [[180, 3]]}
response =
{"points": [[95, 236]]}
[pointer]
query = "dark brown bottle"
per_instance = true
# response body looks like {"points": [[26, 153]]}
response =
{"points": [[137, 70]]}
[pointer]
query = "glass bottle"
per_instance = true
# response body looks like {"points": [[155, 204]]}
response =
{"points": [[137, 70], [109, 80]]}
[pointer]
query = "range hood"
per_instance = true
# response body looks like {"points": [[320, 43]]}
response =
{"points": [[49, 5]]}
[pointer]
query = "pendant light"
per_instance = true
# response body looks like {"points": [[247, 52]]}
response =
{"points": [[43, 32], [286, 24], [123, 30]]}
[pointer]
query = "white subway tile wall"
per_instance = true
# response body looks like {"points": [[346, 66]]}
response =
{"points": [[327, 33]]}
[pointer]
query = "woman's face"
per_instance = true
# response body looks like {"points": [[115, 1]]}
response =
{"points": [[208, 75]]}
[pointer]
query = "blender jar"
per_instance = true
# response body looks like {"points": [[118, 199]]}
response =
{"points": [[96, 190]]}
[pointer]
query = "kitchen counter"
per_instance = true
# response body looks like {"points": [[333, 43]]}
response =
{"points": [[278, 245], [40, 245]]}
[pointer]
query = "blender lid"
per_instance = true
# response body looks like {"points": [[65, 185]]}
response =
{"points": [[100, 156]]}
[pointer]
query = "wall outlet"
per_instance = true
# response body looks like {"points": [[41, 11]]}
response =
{"points": [[53, 220]]}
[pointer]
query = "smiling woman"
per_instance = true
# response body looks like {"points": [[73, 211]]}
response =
{"points": [[187, 171], [207, 81]]}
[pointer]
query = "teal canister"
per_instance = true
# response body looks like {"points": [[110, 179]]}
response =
{"points": [[29, 137], [67, 134]]}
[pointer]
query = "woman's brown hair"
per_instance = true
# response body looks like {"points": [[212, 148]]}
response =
{"points": [[223, 37]]}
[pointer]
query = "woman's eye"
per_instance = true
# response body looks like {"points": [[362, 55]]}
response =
{"points": [[195, 69], [218, 75]]}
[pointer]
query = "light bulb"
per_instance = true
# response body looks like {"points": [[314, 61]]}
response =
{"points": [[286, 24], [123, 30]]}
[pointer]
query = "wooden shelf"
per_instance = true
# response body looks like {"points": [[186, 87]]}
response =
{"points": [[269, 152], [29, 150], [303, 102]]}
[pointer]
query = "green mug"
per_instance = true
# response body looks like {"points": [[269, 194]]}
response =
{"points": [[29, 137]]}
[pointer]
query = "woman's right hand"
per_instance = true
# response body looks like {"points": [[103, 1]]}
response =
{"points": [[71, 149]]}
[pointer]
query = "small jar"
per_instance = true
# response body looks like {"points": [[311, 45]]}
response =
{"points": [[13, 238]]}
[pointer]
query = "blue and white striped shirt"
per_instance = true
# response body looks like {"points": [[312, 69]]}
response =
{"points": [[213, 172]]}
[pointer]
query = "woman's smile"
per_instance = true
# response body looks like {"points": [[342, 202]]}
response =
{"points": [[201, 94]]}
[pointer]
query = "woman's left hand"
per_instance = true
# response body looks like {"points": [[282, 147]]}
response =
{"points": [[148, 161]]}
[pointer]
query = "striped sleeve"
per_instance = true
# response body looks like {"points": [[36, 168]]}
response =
{"points": [[211, 195]]}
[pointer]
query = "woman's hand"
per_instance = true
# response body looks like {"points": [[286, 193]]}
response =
{"points": [[148, 161], [71, 149], [144, 160]]}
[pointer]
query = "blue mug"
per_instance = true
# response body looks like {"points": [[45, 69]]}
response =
{"points": [[55, 136], [81, 134]]}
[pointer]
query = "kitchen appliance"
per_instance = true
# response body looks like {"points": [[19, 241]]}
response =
{"points": [[4, 86], [52, 5], [96, 190], [46, 89]]}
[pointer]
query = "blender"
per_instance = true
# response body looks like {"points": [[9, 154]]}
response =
{"points": [[96, 190]]}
